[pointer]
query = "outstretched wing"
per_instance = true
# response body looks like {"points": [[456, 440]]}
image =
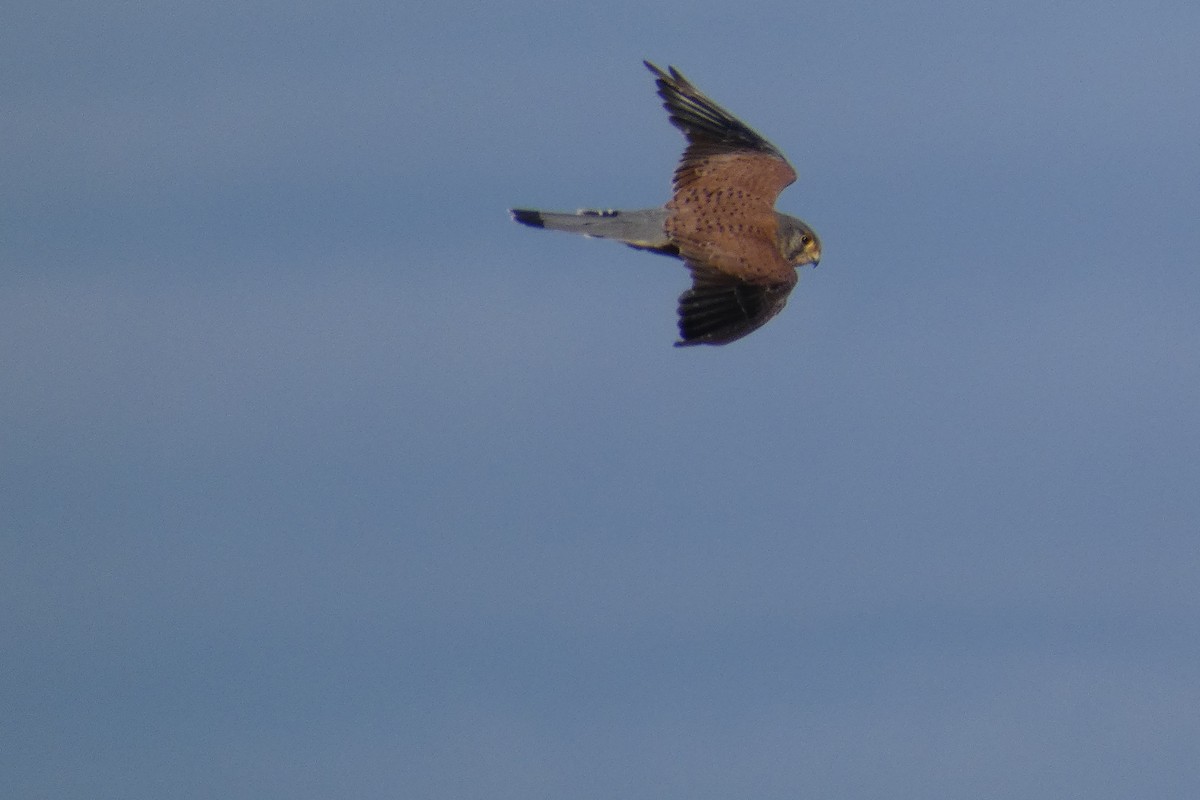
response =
{"points": [[710, 129], [722, 213], [720, 308]]}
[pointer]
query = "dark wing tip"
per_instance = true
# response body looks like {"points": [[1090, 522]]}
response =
{"points": [[527, 216], [719, 310], [654, 68], [702, 120], [671, 78]]}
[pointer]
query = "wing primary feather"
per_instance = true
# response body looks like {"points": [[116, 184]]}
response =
{"points": [[701, 119]]}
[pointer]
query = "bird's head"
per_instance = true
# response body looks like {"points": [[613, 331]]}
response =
{"points": [[798, 242]]}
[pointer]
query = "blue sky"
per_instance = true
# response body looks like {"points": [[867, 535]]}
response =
{"points": [[321, 478]]}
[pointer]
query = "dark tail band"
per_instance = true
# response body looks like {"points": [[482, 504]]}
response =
{"points": [[527, 216]]}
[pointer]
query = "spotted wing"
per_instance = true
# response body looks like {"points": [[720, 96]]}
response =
{"points": [[722, 213]]}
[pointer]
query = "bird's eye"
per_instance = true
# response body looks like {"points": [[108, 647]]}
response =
{"points": [[806, 239]]}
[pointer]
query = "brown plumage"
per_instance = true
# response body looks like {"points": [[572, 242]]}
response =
{"points": [[721, 220]]}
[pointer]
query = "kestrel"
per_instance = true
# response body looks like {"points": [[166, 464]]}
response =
{"points": [[721, 220]]}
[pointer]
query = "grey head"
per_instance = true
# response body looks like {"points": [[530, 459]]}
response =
{"points": [[798, 242]]}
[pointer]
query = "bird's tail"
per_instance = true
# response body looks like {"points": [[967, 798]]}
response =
{"points": [[642, 229]]}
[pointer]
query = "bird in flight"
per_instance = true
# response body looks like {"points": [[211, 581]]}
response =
{"points": [[721, 220]]}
